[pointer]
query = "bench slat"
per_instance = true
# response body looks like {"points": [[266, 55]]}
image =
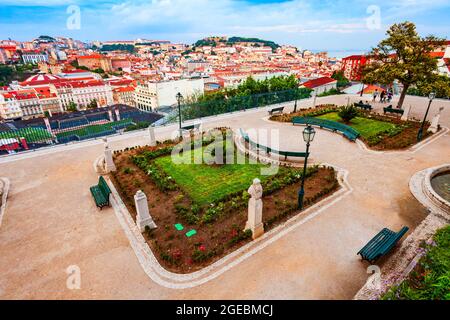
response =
{"points": [[381, 244]]}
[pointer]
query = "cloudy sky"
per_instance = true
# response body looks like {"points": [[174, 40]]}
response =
{"points": [[310, 24]]}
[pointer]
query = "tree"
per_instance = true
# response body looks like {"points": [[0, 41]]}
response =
{"points": [[347, 113], [93, 104], [403, 56], [72, 106], [437, 84], [342, 81], [6, 74], [98, 70]]}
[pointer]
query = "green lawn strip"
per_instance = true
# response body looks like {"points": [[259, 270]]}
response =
{"points": [[430, 279], [208, 183], [366, 127], [30, 134]]}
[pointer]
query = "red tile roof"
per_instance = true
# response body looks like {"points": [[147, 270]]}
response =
{"points": [[437, 54], [124, 89], [91, 56], [311, 84]]}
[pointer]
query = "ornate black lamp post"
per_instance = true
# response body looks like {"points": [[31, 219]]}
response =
{"points": [[179, 99], [431, 97], [308, 136]]}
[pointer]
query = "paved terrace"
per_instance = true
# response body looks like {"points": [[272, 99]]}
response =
{"points": [[51, 222]]}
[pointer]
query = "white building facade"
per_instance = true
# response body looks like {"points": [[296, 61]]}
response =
{"points": [[154, 95], [34, 58]]}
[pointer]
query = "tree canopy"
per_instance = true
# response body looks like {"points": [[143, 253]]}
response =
{"points": [[251, 86], [438, 84], [118, 47], [342, 81], [403, 56]]}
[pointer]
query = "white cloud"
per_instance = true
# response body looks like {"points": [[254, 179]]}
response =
{"points": [[226, 15]]}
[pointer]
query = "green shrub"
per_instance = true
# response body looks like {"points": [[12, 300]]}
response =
{"points": [[186, 214], [128, 170], [430, 280], [347, 113], [241, 236]]}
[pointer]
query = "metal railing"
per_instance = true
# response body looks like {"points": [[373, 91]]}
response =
{"points": [[38, 135], [240, 103]]}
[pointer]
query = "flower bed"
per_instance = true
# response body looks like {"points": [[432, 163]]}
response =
{"points": [[212, 199], [379, 132]]}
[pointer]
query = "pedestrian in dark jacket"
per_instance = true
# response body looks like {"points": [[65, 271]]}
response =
{"points": [[383, 96]]}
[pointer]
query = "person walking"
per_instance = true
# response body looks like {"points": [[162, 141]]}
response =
{"points": [[382, 96], [375, 95], [389, 96]]}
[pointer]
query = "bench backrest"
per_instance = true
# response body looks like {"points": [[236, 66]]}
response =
{"points": [[394, 238], [103, 186], [267, 149], [329, 124]]}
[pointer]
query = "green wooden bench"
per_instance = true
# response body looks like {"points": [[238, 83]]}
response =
{"points": [[381, 244], [334, 126], [390, 109], [279, 110], [271, 150], [363, 106], [101, 193]]}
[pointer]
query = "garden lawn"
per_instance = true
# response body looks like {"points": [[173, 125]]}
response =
{"points": [[366, 127], [208, 183]]}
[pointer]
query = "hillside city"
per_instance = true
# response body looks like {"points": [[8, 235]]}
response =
{"points": [[145, 74]]}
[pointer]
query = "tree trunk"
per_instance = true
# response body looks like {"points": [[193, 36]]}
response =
{"points": [[402, 96]]}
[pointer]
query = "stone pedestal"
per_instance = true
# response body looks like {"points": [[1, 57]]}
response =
{"points": [[406, 113], [109, 163], [255, 205], [151, 133], [435, 122], [143, 217]]}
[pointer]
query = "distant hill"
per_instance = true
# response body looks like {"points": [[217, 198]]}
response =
{"points": [[213, 42], [44, 39], [266, 43], [118, 47]]}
